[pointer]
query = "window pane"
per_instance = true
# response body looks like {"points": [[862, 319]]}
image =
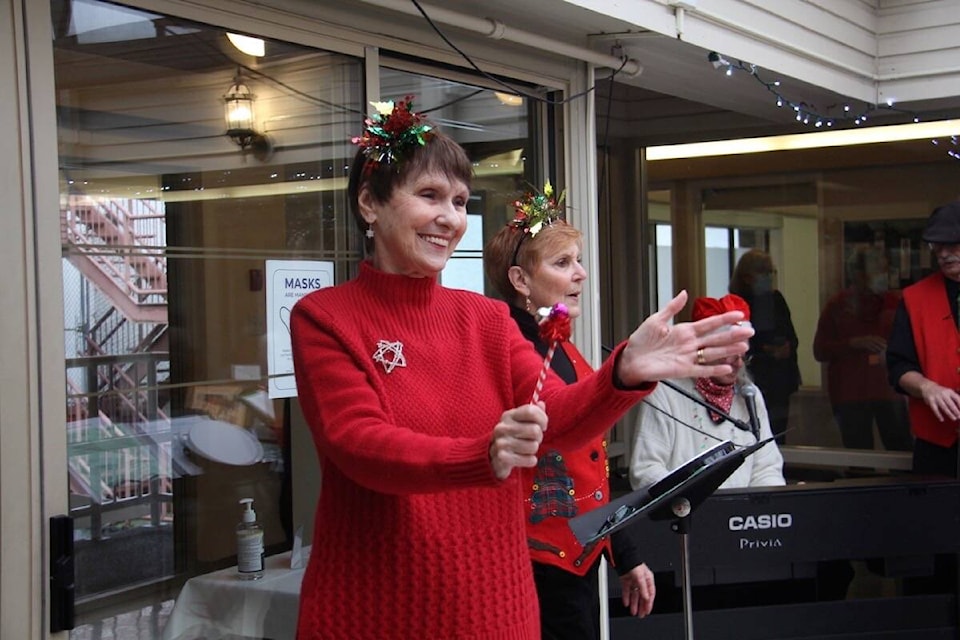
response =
{"points": [[167, 225], [842, 244], [494, 130]]}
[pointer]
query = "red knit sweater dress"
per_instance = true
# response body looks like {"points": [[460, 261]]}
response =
{"points": [[402, 381]]}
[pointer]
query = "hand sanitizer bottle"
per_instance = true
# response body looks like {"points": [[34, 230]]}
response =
{"points": [[249, 543]]}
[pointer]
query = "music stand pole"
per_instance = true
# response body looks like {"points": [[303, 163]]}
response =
{"points": [[682, 509], [674, 496]]}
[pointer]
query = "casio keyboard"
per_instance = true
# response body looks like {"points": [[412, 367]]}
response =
{"points": [[786, 533]]}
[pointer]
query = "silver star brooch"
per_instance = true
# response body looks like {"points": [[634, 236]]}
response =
{"points": [[390, 355]]}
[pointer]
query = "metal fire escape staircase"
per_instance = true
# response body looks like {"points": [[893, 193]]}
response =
{"points": [[118, 246]]}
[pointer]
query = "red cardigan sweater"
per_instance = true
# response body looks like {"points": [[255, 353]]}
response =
{"points": [[402, 381], [938, 348]]}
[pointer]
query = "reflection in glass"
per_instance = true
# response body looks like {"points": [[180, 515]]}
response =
{"points": [[875, 198], [495, 135], [851, 340], [167, 224]]}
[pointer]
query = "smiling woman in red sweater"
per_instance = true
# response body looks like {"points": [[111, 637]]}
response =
{"points": [[418, 398]]}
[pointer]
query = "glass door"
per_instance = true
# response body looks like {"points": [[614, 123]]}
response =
{"points": [[193, 161], [495, 129], [189, 159]]}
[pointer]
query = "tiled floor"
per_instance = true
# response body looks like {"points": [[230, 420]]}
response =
{"points": [[145, 623]]}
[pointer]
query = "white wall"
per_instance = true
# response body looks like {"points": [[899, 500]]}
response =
{"points": [[864, 49], [22, 580], [919, 49], [800, 286]]}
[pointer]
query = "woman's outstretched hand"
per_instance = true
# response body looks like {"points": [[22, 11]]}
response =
{"points": [[657, 350], [516, 439]]}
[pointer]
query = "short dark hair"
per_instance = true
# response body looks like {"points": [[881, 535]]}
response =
{"points": [[441, 154]]}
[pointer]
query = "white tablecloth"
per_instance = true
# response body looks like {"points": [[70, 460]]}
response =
{"points": [[221, 606]]}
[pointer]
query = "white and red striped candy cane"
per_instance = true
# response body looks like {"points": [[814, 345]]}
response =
{"points": [[554, 327]]}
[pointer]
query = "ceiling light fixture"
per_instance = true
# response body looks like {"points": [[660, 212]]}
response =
{"points": [[836, 138], [247, 44], [508, 99]]}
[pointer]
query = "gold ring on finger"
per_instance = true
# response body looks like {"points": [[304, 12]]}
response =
{"points": [[700, 359]]}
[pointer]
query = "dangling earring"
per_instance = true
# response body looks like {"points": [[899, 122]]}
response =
{"points": [[530, 308], [369, 231]]}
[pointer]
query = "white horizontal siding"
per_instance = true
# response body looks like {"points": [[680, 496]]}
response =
{"points": [[865, 49], [849, 23], [830, 43], [919, 49]]}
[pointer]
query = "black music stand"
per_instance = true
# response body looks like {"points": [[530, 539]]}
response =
{"points": [[674, 497]]}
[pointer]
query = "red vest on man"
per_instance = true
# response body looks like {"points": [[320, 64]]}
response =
{"points": [[937, 342]]}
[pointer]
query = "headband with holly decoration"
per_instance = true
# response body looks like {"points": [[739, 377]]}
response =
{"points": [[534, 211], [392, 132]]}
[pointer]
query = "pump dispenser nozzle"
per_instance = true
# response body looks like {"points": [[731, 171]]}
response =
{"points": [[249, 515]]}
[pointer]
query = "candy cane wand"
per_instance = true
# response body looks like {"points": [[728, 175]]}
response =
{"points": [[554, 327]]}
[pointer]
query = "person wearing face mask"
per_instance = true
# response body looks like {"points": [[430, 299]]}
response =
{"points": [[773, 348], [923, 352], [419, 399], [671, 429], [535, 262], [851, 339]]}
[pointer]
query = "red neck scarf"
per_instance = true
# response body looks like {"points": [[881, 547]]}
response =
{"points": [[720, 395]]}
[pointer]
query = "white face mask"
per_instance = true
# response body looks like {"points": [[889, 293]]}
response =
{"points": [[879, 283], [763, 283]]}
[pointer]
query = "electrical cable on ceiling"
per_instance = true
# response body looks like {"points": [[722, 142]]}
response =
{"points": [[498, 81], [170, 30], [345, 109]]}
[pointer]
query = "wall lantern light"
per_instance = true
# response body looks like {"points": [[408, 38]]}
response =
{"points": [[238, 111]]}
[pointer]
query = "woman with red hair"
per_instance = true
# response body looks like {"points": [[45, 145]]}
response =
{"points": [[535, 262]]}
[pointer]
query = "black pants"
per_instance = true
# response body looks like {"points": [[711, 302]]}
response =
{"points": [[569, 604], [855, 420], [778, 411], [933, 460]]}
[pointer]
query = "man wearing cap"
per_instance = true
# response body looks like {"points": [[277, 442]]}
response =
{"points": [[923, 352]]}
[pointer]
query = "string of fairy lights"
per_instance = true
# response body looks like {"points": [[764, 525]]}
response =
{"points": [[952, 146], [809, 114], [806, 113]]}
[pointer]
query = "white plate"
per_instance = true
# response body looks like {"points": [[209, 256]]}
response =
{"points": [[224, 442]]}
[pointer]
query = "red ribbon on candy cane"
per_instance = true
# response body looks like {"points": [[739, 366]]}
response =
{"points": [[554, 328]]}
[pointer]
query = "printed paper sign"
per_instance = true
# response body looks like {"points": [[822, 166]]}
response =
{"points": [[287, 282]]}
